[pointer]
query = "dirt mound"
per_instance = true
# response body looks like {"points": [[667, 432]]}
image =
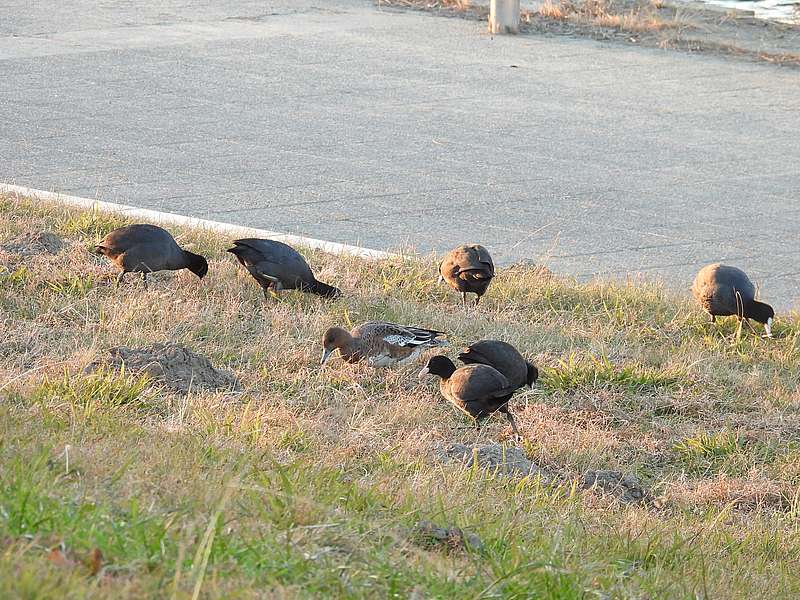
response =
{"points": [[504, 460], [429, 535], [625, 488], [34, 243], [176, 367]]}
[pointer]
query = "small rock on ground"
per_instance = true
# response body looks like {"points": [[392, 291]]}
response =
{"points": [[429, 535], [504, 460], [29, 244], [177, 367], [626, 488]]}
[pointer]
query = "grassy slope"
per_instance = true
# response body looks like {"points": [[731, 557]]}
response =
{"points": [[307, 482]]}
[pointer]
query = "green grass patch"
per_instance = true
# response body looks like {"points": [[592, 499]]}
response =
{"points": [[709, 445], [90, 393], [72, 285], [16, 278], [90, 226], [580, 372]]}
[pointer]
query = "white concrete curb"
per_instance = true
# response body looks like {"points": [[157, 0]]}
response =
{"points": [[154, 216]]}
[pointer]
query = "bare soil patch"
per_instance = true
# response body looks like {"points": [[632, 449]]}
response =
{"points": [[504, 460], [29, 244]]}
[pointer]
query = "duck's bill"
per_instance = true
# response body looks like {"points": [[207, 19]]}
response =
{"points": [[326, 354], [423, 373], [768, 327]]}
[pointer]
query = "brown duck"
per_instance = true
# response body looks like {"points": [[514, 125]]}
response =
{"points": [[144, 248], [467, 269], [477, 390], [724, 291], [380, 343], [504, 358]]}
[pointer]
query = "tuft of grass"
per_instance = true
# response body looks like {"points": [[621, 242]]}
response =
{"points": [[16, 278], [577, 372], [72, 285], [729, 454], [709, 445], [100, 390], [90, 226]]}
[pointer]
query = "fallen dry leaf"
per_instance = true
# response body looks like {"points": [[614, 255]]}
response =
{"points": [[95, 561], [59, 559]]}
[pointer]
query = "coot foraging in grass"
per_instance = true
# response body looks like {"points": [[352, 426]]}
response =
{"points": [[144, 248], [277, 266], [477, 390], [723, 291]]}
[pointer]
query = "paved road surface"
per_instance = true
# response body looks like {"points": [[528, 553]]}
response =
{"points": [[337, 120]]}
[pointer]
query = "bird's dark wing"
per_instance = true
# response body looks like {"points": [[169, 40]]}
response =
{"points": [[476, 383]]}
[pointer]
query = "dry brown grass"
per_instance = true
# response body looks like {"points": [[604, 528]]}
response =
{"points": [[735, 493], [607, 14], [429, 4], [337, 463]]}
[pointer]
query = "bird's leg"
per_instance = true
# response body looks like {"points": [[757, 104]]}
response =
{"points": [[119, 279], [510, 418], [713, 318], [477, 299], [270, 285], [144, 279], [463, 298]]}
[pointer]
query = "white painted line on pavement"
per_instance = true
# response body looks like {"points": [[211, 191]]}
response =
{"points": [[165, 218]]}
